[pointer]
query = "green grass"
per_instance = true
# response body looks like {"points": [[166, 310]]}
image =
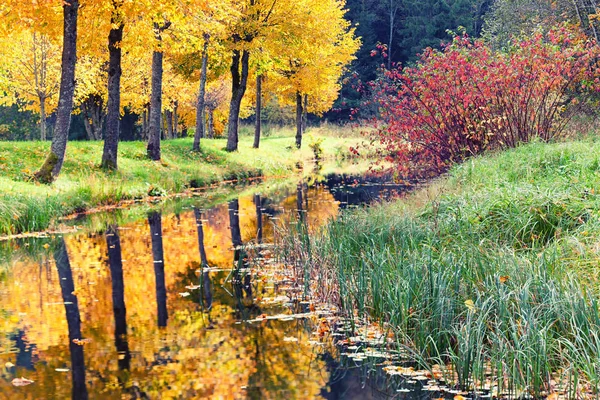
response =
{"points": [[491, 271], [27, 207]]}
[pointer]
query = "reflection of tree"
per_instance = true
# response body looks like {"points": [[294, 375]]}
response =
{"points": [[299, 208], [154, 220], [259, 222], [26, 354], [67, 289], [282, 369], [205, 282], [242, 287], [115, 263]]}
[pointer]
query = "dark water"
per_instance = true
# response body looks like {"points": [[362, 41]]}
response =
{"points": [[186, 305]]}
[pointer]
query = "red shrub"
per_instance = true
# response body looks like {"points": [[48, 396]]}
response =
{"points": [[467, 98]]}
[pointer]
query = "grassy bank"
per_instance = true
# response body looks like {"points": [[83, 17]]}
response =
{"points": [[26, 206], [491, 272]]}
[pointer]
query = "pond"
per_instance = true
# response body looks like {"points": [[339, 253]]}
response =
{"points": [[185, 304]]}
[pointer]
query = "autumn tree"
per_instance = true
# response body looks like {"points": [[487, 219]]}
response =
{"points": [[32, 63], [113, 114], [314, 58], [256, 19], [90, 93], [54, 161]]}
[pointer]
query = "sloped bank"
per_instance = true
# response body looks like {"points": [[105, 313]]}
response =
{"points": [[491, 272], [27, 207]]}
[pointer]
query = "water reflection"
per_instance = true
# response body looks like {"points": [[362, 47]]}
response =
{"points": [[115, 263], [193, 343], [67, 288], [205, 283], [154, 220]]}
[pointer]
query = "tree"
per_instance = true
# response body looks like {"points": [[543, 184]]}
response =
{"points": [[200, 114], [314, 59], [54, 161], [32, 65], [256, 19], [90, 94], [113, 114], [508, 18], [153, 148]]}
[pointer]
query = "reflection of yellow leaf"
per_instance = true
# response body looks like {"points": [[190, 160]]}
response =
{"points": [[471, 306], [21, 381]]}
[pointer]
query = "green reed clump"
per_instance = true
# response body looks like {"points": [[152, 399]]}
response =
{"points": [[495, 278]]}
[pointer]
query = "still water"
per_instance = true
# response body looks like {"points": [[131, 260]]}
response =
{"points": [[183, 305]]}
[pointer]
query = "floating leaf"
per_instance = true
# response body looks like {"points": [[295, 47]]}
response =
{"points": [[21, 381]]}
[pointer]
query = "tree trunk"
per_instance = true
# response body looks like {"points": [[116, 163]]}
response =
{"points": [[169, 123], [154, 220], [257, 126], [115, 264], [211, 124], [204, 276], [393, 11], [67, 288], [299, 209], [155, 107], [175, 120], [305, 113], [298, 120], [113, 112], [42, 118], [259, 218], [156, 97], [239, 81], [200, 116], [93, 118], [53, 163]]}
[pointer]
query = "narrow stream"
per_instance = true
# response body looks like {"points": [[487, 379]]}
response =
{"points": [[181, 305]]}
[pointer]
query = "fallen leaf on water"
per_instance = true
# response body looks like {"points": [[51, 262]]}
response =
{"points": [[61, 369], [21, 381], [46, 246], [553, 396], [9, 365], [184, 294], [459, 397]]}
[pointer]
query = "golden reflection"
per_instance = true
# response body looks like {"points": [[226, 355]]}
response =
{"points": [[203, 351]]}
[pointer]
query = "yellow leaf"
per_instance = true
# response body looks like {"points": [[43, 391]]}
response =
{"points": [[471, 306]]}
